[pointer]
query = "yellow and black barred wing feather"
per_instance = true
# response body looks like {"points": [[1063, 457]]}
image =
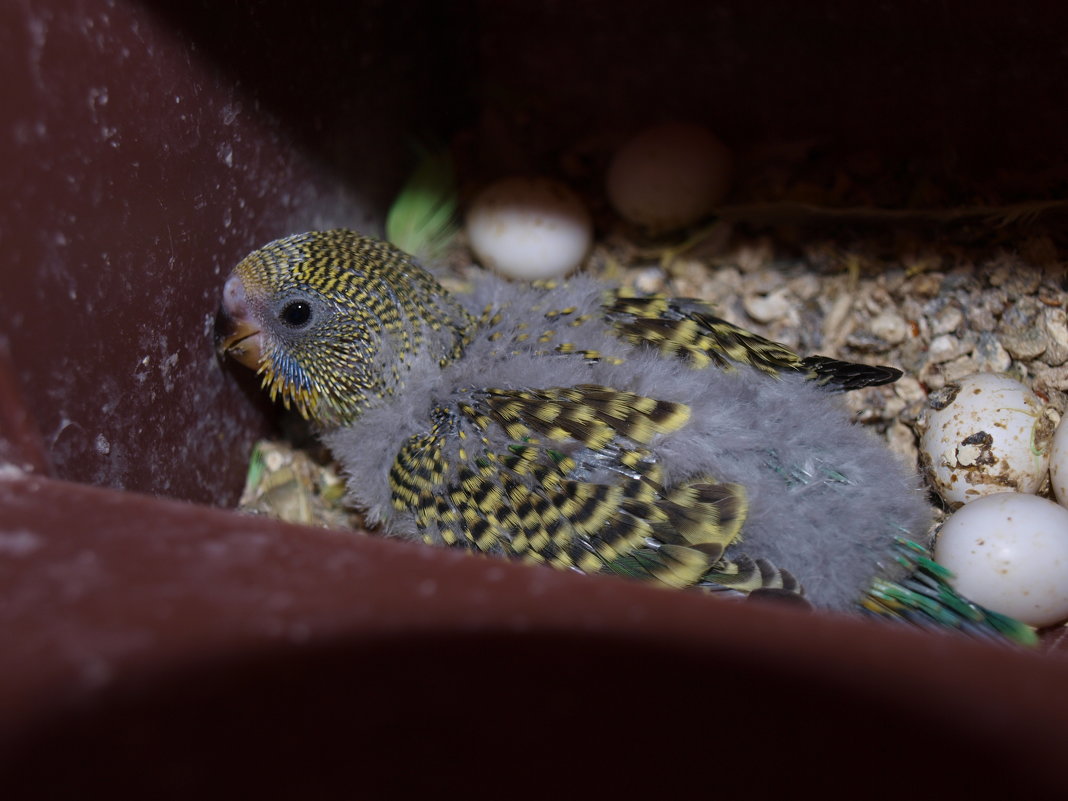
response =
{"points": [[689, 330], [565, 476]]}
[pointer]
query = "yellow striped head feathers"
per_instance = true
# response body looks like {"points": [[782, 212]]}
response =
{"points": [[333, 320]]}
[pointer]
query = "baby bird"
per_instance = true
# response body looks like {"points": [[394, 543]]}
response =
{"points": [[589, 428]]}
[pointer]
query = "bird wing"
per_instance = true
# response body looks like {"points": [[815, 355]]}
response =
{"points": [[688, 329], [565, 476]]}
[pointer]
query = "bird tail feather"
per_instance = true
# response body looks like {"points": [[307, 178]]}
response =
{"points": [[925, 598]]}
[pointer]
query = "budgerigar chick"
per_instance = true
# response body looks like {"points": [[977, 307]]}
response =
{"points": [[589, 428]]}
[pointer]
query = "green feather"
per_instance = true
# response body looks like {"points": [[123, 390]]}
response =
{"points": [[256, 467], [926, 598], [422, 219]]}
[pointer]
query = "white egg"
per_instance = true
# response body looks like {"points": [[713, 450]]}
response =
{"points": [[529, 228], [1009, 553], [669, 176], [984, 434], [1058, 462]]}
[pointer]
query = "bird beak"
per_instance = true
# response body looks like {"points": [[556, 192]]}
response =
{"points": [[238, 339], [235, 336]]}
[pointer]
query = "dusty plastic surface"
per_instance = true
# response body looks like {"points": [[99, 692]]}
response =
{"points": [[137, 170], [223, 654], [165, 649]]}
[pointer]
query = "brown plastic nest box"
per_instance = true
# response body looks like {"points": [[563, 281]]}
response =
{"points": [[155, 645]]}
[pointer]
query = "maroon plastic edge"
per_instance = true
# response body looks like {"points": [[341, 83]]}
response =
{"points": [[119, 606]]}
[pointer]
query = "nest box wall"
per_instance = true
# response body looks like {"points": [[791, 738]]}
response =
{"points": [[145, 150], [148, 146]]}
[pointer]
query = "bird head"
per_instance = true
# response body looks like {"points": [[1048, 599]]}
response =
{"points": [[334, 321]]}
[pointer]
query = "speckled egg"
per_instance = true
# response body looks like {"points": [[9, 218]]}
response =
{"points": [[1009, 552], [986, 433], [529, 228]]}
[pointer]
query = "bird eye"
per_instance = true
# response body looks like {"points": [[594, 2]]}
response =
{"points": [[296, 314]]}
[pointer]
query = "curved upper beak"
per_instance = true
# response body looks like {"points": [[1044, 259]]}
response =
{"points": [[236, 335]]}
